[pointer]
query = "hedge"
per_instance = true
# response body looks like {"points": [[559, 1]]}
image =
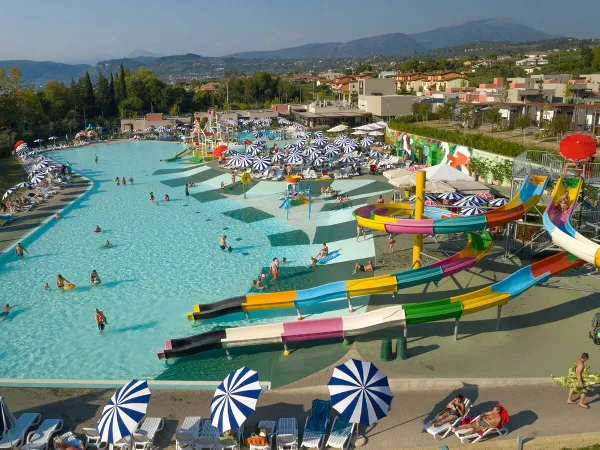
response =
{"points": [[477, 141]]}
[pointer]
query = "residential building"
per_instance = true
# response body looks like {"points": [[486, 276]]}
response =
{"points": [[152, 120], [384, 107], [330, 75], [410, 82], [587, 118], [387, 74], [532, 62]]}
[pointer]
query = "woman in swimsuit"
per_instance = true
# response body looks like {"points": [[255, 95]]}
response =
{"points": [[358, 267], [152, 196], [453, 410], [60, 281]]}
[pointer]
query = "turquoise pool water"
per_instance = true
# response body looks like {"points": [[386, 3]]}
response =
{"points": [[164, 259]]}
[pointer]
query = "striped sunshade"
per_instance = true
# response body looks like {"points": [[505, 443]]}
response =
{"points": [[235, 399]]}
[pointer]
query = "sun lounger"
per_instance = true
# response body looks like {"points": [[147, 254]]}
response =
{"points": [[40, 438], [287, 434], [315, 427], [209, 437], [70, 439], [15, 437], [187, 433], [442, 431], [341, 432], [271, 425], [92, 438], [467, 435], [143, 437], [231, 443]]}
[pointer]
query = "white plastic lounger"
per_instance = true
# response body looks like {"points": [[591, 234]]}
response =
{"points": [[209, 437], [92, 438], [287, 434], [40, 438], [232, 444], [315, 426], [271, 425], [188, 433], [341, 432], [143, 437], [15, 437], [442, 431], [468, 436]]}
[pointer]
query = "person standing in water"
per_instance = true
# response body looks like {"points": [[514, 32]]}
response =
{"points": [[60, 281], [124, 181], [101, 321], [152, 197], [223, 242], [186, 190], [96, 159], [19, 249]]}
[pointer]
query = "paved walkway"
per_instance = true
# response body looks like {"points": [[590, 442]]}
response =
{"points": [[537, 411], [28, 220]]}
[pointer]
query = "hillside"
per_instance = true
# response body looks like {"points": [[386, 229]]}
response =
{"points": [[492, 30], [39, 72]]}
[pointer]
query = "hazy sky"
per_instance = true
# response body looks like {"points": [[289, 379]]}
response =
{"points": [[67, 31]]}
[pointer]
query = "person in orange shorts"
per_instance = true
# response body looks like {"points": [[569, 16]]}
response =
{"points": [[274, 268]]}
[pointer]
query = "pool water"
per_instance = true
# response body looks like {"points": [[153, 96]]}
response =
{"points": [[164, 258]]}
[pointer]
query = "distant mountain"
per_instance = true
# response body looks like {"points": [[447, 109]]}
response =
{"points": [[135, 54], [494, 30], [491, 30], [40, 72], [387, 44]]}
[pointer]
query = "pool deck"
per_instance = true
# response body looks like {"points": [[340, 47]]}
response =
{"points": [[27, 221]]}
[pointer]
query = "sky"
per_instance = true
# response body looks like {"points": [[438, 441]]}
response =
{"points": [[87, 31]]}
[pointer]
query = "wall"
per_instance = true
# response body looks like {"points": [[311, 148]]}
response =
{"points": [[400, 105]]}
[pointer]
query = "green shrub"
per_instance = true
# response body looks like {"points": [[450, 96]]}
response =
{"points": [[477, 141], [479, 166], [501, 170]]}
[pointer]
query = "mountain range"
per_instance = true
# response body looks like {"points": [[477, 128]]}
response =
{"points": [[314, 56], [492, 30]]}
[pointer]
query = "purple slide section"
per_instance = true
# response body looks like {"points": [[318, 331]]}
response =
{"points": [[313, 329], [457, 266], [423, 226]]}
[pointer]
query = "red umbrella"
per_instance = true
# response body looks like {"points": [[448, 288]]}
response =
{"points": [[220, 150], [18, 143], [578, 147]]}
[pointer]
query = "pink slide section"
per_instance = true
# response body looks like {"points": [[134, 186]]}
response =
{"points": [[313, 329]]}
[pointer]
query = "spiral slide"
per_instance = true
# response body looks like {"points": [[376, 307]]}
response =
{"points": [[476, 248], [559, 226], [178, 156], [377, 217]]}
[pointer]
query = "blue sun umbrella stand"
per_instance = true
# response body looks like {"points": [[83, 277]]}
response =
{"points": [[235, 399], [124, 411], [360, 392]]}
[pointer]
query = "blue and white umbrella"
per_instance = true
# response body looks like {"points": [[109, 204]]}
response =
{"points": [[319, 160], [245, 162], [315, 155], [471, 200], [346, 159], [428, 197], [235, 399], [500, 201], [280, 138], [350, 146], [294, 158], [124, 411], [472, 211], [53, 138], [375, 154], [261, 163], [235, 159], [7, 420], [22, 185], [37, 178], [254, 149], [7, 193], [332, 152], [452, 196], [388, 147], [318, 133], [320, 141], [367, 141], [360, 392], [278, 156]]}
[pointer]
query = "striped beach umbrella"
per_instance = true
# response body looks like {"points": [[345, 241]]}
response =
{"points": [[428, 197], [254, 149], [294, 158], [7, 193], [7, 420], [246, 161], [485, 195], [314, 155], [37, 178], [235, 399], [278, 156], [471, 200], [235, 159], [346, 159], [280, 138], [257, 133], [360, 392], [375, 154], [321, 141], [261, 163], [124, 411], [451, 196], [500, 201], [367, 141], [319, 160], [318, 133], [472, 211], [388, 147], [22, 185], [332, 151]]}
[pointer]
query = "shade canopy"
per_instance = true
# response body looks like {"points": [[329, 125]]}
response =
{"points": [[577, 147], [443, 172]]}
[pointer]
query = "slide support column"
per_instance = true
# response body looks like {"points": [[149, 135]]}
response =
{"points": [[247, 315], [499, 315], [229, 357], [299, 315], [419, 208], [286, 352], [350, 308], [456, 329]]}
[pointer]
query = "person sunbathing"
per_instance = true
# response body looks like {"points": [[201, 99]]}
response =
{"points": [[453, 410], [358, 267], [484, 422]]}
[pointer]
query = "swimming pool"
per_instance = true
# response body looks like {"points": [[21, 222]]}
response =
{"points": [[164, 259]]}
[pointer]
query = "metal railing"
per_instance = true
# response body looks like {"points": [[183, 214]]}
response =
{"points": [[535, 162]]}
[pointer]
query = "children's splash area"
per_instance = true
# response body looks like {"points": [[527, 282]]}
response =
{"points": [[178, 307]]}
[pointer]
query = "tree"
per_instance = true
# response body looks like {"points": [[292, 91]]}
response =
{"points": [[445, 110], [465, 114], [587, 56], [522, 122], [102, 95], [122, 86], [111, 88], [493, 116], [559, 125], [87, 95], [568, 90], [540, 89]]}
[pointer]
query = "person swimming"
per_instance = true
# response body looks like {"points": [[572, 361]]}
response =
{"points": [[152, 196], [60, 281], [46, 287], [106, 244], [118, 181], [58, 215], [124, 181], [94, 278], [167, 197], [96, 159], [5, 311], [130, 180], [97, 229]]}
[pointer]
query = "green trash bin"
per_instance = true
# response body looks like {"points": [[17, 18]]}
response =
{"points": [[401, 348], [386, 349]]}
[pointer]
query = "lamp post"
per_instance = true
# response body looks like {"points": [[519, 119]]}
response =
{"points": [[388, 103]]}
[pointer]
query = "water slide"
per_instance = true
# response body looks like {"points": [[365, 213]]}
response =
{"points": [[378, 217], [559, 226], [477, 247], [178, 155]]}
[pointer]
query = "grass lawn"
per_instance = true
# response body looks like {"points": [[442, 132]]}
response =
{"points": [[11, 173], [593, 447]]}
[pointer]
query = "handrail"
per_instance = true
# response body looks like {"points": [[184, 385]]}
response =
{"points": [[537, 162]]}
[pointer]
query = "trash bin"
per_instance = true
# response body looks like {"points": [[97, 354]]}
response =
{"points": [[401, 348], [386, 349]]}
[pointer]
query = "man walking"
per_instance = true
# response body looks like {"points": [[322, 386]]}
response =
{"points": [[579, 366]]}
